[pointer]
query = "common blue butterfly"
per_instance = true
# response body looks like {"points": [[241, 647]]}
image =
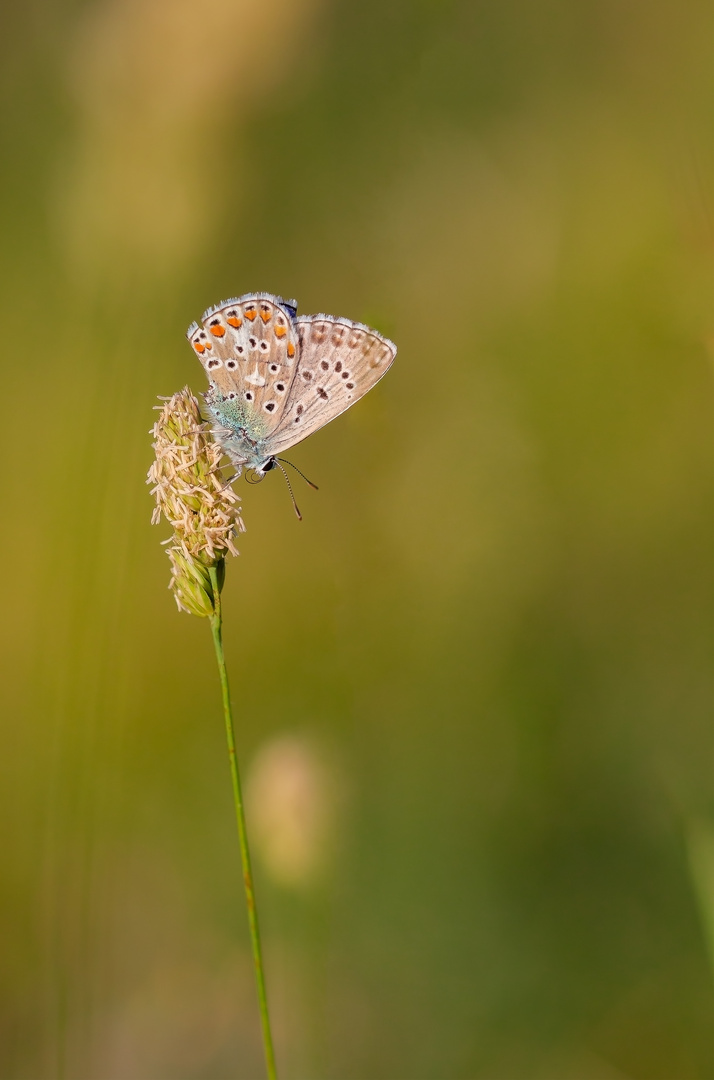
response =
{"points": [[276, 376]]}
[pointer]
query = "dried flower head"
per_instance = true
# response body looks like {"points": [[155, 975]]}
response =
{"points": [[193, 496]]}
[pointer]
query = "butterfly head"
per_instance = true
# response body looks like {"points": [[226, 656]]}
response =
{"points": [[266, 466]]}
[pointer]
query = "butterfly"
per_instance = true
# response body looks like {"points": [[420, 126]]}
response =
{"points": [[275, 376]]}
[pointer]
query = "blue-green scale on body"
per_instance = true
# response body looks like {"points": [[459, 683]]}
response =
{"points": [[246, 425]]}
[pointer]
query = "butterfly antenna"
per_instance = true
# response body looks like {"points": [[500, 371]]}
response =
{"points": [[290, 488], [308, 482]]}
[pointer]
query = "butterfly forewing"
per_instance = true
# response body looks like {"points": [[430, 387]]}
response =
{"points": [[338, 362], [249, 347]]}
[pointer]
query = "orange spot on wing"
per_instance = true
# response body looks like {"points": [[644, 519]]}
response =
{"points": [[265, 316], [199, 347], [280, 331], [234, 322], [250, 315], [208, 346], [291, 350], [217, 331]]}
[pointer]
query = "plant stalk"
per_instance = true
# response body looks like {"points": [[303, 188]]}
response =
{"points": [[216, 629]]}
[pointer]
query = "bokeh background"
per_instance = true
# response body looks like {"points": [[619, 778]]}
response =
{"points": [[473, 687]]}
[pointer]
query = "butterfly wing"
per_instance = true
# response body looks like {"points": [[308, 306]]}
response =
{"points": [[338, 362], [248, 347]]}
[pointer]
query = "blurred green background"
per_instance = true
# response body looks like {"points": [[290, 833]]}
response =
{"points": [[473, 687]]}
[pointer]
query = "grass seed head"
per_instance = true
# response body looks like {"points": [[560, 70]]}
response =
{"points": [[192, 495]]}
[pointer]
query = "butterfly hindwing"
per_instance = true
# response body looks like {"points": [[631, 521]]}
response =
{"points": [[248, 347], [338, 362]]}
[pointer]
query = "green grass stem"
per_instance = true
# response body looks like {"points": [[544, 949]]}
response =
{"points": [[216, 628]]}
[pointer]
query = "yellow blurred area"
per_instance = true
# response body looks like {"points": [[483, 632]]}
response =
{"points": [[473, 687]]}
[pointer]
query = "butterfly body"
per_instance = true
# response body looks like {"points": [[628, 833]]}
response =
{"points": [[276, 377]]}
